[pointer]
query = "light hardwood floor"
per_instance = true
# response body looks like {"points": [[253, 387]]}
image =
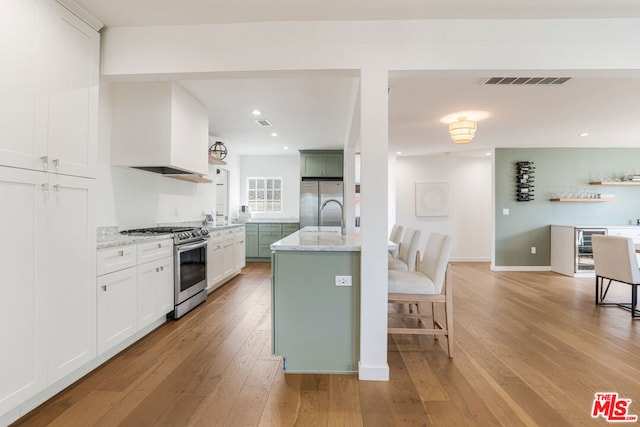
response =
{"points": [[531, 349]]}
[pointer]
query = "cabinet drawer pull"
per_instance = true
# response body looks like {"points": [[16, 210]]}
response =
{"points": [[159, 245], [45, 187], [56, 162], [104, 288], [120, 253], [45, 160], [56, 188]]}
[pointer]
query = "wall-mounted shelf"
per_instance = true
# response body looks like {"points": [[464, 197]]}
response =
{"points": [[192, 178], [585, 200], [216, 161], [614, 183]]}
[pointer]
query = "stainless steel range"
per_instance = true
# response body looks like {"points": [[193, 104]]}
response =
{"points": [[190, 264]]}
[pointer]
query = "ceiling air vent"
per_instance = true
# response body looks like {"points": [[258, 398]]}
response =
{"points": [[525, 80], [263, 122]]}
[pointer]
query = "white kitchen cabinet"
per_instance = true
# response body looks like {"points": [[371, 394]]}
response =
{"points": [[49, 94], [117, 307], [48, 264], [155, 281], [23, 221], [71, 270], [18, 144], [228, 260], [215, 261], [239, 250], [225, 255], [114, 259], [152, 251]]}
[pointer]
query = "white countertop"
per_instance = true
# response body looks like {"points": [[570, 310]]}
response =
{"points": [[321, 239]]}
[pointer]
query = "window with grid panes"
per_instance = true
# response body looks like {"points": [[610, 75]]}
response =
{"points": [[264, 194]]}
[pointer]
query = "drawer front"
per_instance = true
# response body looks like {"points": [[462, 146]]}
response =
{"points": [[267, 238], [271, 228], [216, 236], [154, 250], [251, 227], [114, 259]]}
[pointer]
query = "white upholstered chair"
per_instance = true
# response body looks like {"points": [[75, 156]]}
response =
{"points": [[396, 236], [615, 261], [408, 251], [432, 284]]}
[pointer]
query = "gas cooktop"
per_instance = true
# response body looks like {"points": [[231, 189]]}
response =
{"points": [[180, 234]]}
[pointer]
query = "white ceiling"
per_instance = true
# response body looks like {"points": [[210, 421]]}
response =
{"points": [[314, 109]]}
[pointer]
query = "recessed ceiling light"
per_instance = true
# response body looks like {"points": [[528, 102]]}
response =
{"points": [[398, 152], [286, 148], [584, 134], [487, 154], [274, 134], [256, 112]]}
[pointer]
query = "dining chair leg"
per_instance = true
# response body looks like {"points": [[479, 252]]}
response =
{"points": [[433, 318]]}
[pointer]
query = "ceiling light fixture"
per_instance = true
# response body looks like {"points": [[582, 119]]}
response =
{"points": [[218, 150], [462, 130], [584, 134], [256, 112], [274, 134]]}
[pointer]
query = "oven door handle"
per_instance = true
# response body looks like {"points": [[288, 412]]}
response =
{"points": [[192, 246]]}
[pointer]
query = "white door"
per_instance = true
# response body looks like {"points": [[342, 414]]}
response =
{"points": [[18, 143], [70, 74], [228, 260], [147, 277], [239, 253], [23, 360], [71, 277], [117, 306], [164, 295]]}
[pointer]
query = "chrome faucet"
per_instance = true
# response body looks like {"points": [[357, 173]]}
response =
{"points": [[342, 227]]}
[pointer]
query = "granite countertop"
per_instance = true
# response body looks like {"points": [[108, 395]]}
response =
{"points": [[105, 241], [321, 239], [109, 237]]}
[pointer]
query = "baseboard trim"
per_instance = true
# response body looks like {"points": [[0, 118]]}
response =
{"points": [[521, 268], [470, 259], [373, 373]]}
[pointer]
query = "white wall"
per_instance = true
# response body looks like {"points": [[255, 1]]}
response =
{"points": [[470, 207], [286, 167]]}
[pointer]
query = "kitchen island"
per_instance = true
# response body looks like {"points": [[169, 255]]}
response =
{"points": [[315, 300]]}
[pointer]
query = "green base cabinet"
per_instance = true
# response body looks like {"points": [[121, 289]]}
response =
{"points": [[316, 324], [260, 236], [251, 244]]}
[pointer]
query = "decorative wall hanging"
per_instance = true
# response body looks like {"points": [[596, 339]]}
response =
{"points": [[524, 181], [432, 199]]}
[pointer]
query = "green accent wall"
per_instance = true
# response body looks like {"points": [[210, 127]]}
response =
{"points": [[558, 169]]}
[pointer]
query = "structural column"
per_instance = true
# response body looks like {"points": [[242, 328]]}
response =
{"points": [[374, 135]]}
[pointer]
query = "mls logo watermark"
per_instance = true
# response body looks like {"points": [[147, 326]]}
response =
{"points": [[612, 408]]}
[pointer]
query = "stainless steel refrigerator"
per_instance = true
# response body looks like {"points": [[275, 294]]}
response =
{"points": [[312, 195]]}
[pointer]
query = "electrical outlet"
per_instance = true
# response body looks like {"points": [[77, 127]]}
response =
{"points": [[343, 280], [533, 249], [505, 211]]}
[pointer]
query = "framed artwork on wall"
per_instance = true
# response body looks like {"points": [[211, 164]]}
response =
{"points": [[432, 198]]}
